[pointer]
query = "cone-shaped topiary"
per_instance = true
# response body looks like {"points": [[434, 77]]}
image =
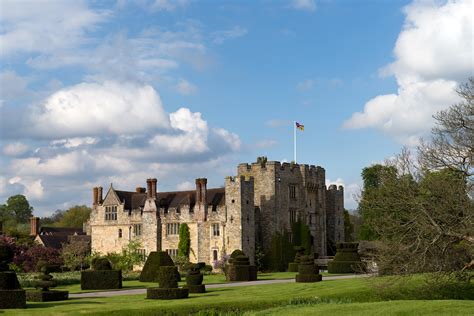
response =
{"points": [[293, 266], [151, 269], [307, 270], [11, 294], [347, 259]]}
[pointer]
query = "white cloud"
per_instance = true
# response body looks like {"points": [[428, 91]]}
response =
{"points": [[305, 85], [45, 26], [185, 186], [59, 165], [220, 37], [32, 188], [168, 5], [90, 109], [185, 87], [15, 149], [433, 54], [74, 142], [306, 5]]}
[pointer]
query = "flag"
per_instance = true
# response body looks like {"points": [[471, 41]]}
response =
{"points": [[299, 126]]}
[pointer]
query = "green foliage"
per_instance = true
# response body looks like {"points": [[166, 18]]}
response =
{"points": [[19, 207], [166, 293], [156, 259], [348, 227], [259, 258], [12, 299], [167, 277], [101, 280], [184, 244], [281, 252], [74, 217], [347, 259], [99, 264], [46, 296], [75, 255], [301, 235]]}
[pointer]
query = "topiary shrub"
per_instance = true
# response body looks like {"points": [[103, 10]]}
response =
{"points": [[239, 268], [43, 293], [11, 294], [194, 280], [347, 259], [102, 277], [151, 269], [299, 251], [307, 270], [168, 285]]}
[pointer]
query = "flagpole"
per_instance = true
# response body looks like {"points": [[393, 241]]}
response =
{"points": [[294, 140]]}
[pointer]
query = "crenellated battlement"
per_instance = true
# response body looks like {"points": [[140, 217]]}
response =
{"points": [[282, 168]]}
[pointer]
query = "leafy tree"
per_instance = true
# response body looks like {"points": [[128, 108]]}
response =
{"points": [[281, 252], [19, 207], [73, 217], [301, 235], [75, 255], [348, 227], [184, 245]]}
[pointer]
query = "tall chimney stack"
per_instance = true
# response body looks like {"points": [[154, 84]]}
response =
{"points": [[153, 188], [34, 226], [201, 199], [148, 188], [99, 195], [95, 195]]}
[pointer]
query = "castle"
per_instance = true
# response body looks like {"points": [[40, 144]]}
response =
{"points": [[264, 197]]}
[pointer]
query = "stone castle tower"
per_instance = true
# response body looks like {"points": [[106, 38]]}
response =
{"points": [[263, 198]]}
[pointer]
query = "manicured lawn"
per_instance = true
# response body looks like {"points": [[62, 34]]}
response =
{"points": [[412, 307], [349, 296]]}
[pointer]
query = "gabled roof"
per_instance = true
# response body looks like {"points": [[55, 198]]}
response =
{"points": [[59, 231], [134, 200], [53, 241]]}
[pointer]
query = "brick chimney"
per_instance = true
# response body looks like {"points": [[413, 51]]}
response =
{"points": [[99, 195], [201, 199], [34, 226], [148, 188], [95, 195], [153, 188]]}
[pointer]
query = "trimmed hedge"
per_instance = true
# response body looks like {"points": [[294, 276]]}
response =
{"points": [[239, 268], [308, 269], [252, 273], [194, 279], [151, 269], [168, 278], [166, 294], [12, 299], [101, 280], [292, 267], [101, 264], [46, 296], [347, 259], [9, 281], [195, 288]]}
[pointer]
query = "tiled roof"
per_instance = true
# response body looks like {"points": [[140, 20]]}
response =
{"points": [[53, 241], [56, 231], [134, 200]]}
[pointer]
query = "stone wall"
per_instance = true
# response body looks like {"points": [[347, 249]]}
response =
{"points": [[335, 217]]}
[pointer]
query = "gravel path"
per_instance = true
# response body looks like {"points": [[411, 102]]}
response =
{"points": [[208, 286]]}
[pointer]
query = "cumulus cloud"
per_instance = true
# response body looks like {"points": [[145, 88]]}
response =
{"points": [[89, 109], [168, 5], [185, 87], [306, 5], [433, 55], [220, 37], [15, 149], [45, 26]]}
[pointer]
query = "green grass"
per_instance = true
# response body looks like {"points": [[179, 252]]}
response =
{"points": [[412, 307], [348, 296]]}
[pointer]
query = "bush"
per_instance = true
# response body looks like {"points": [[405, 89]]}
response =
{"points": [[156, 259], [184, 245], [101, 280], [308, 278], [46, 296], [168, 278], [166, 294], [27, 258], [75, 255], [347, 259], [308, 269], [206, 269], [292, 267], [12, 299], [196, 288], [101, 264]]}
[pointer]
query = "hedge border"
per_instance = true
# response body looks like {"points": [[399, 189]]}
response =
{"points": [[156, 293], [12, 299], [46, 296]]}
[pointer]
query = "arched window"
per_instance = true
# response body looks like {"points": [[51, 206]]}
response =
{"points": [[120, 233], [214, 255]]}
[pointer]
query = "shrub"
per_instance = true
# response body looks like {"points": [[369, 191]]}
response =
{"points": [[101, 280], [184, 244], [99, 264], [27, 258], [156, 259], [75, 255], [166, 294], [12, 299], [347, 259], [206, 269], [46, 296], [168, 278], [307, 270]]}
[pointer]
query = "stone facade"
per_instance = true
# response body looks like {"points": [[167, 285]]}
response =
{"points": [[263, 198]]}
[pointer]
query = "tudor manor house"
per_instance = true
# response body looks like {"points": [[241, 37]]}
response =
{"points": [[264, 197]]}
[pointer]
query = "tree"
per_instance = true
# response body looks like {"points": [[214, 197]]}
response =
{"points": [[374, 177], [184, 245], [19, 207], [348, 227], [73, 217]]}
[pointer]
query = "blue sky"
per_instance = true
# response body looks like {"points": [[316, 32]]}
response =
{"points": [[99, 92]]}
